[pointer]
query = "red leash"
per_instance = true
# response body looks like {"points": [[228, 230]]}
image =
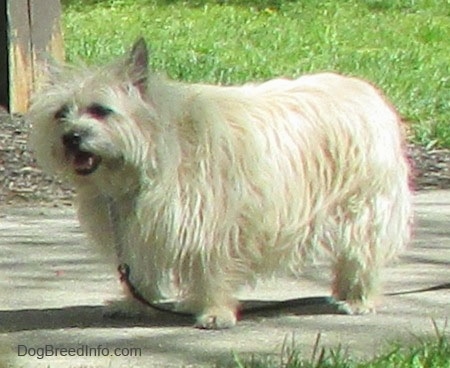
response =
{"points": [[124, 277]]}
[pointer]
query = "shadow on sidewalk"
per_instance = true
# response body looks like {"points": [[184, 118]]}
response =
{"points": [[84, 316]]}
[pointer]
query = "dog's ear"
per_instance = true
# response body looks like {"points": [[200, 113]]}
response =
{"points": [[138, 65]]}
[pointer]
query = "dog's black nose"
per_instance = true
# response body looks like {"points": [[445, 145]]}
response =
{"points": [[72, 140]]}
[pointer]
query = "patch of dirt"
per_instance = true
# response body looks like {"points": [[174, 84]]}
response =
{"points": [[21, 179]]}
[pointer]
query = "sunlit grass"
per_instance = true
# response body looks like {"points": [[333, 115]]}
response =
{"points": [[432, 352]]}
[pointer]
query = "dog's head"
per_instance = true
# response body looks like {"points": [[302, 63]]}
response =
{"points": [[89, 124]]}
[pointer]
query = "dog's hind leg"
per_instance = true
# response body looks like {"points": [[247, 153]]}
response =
{"points": [[355, 282], [358, 256], [368, 236]]}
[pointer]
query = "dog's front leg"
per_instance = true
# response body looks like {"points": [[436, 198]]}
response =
{"points": [[212, 312], [209, 295]]}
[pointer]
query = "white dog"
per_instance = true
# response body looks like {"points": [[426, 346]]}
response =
{"points": [[201, 188]]}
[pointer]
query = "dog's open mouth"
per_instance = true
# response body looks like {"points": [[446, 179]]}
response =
{"points": [[84, 163]]}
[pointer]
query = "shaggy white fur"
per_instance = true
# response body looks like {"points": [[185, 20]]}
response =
{"points": [[201, 188]]}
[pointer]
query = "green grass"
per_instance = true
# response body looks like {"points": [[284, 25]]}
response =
{"points": [[400, 45], [428, 353]]}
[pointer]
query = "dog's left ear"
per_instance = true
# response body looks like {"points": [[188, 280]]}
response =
{"points": [[138, 65]]}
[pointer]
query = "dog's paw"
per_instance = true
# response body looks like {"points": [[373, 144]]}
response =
{"points": [[342, 307], [216, 318], [358, 307]]}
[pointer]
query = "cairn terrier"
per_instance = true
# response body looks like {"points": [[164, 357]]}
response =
{"points": [[200, 189]]}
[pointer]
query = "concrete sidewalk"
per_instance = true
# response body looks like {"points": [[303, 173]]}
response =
{"points": [[53, 289]]}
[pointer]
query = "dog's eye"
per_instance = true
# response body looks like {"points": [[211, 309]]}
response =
{"points": [[99, 111], [62, 113]]}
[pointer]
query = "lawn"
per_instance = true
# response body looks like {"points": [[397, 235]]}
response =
{"points": [[426, 353], [400, 45]]}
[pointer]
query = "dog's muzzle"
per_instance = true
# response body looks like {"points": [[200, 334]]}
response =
{"points": [[84, 162]]}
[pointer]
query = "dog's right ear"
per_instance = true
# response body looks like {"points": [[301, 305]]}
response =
{"points": [[138, 65]]}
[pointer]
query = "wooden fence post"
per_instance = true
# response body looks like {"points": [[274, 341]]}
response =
{"points": [[30, 33]]}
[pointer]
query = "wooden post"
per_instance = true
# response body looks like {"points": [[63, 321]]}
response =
{"points": [[4, 75], [30, 33]]}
